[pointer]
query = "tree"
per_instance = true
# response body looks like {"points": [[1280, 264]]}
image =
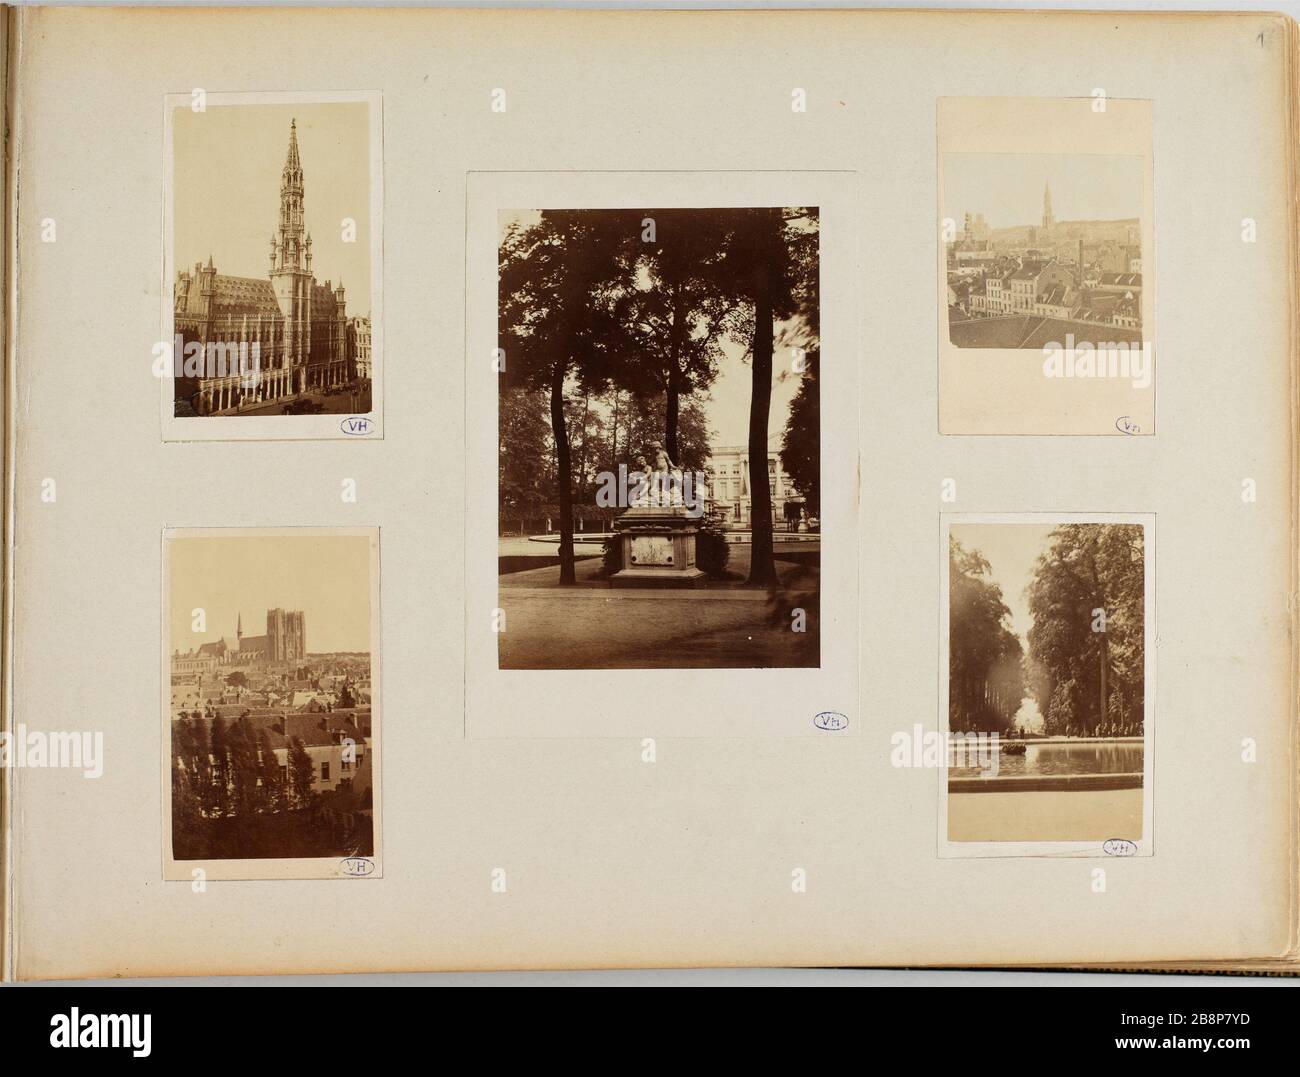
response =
{"points": [[1087, 643], [590, 305], [801, 443], [559, 280], [985, 674], [242, 753], [272, 789], [681, 310], [189, 771], [523, 445], [237, 679], [346, 699], [217, 789], [762, 267], [642, 418], [586, 429], [302, 774]]}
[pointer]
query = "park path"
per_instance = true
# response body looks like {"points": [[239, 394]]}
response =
{"points": [[573, 629], [587, 571]]}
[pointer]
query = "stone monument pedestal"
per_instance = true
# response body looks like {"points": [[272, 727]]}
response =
{"points": [[658, 548]]}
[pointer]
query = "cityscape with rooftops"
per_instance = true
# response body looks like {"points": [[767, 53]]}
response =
{"points": [[1023, 283], [271, 746]]}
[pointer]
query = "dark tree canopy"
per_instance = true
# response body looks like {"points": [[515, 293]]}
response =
{"points": [[986, 681], [1087, 644], [524, 489], [613, 323], [560, 282]]}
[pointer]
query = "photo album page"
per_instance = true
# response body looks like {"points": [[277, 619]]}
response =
{"points": [[512, 489]]}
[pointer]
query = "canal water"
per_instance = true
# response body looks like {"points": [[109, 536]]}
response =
{"points": [[1119, 758]]}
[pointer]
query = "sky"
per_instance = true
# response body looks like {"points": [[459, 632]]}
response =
{"points": [[325, 576], [1011, 551], [226, 193], [727, 406], [1008, 187]]}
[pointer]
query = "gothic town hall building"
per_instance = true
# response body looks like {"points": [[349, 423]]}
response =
{"points": [[300, 327]]}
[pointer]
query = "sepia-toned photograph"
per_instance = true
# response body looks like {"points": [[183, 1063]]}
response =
{"points": [[659, 458], [1049, 247], [1045, 266], [1047, 643], [272, 266], [272, 704]]}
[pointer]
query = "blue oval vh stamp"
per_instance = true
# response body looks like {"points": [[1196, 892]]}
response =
{"points": [[358, 867], [357, 425], [831, 721]]}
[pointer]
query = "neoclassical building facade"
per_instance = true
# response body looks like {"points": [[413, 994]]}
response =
{"points": [[261, 339], [728, 468]]}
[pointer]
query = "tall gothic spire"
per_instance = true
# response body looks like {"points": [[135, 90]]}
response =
{"points": [[291, 159], [1047, 205], [239, 626], [291, 197]]}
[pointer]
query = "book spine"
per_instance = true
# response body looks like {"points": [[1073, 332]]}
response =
{"points": [[1292, 95], [10, 23]]}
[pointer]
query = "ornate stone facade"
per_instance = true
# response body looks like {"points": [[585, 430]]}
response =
{"points": [[261, 339]]}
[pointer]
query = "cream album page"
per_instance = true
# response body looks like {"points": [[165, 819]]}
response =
{"points": [[533, 489]]}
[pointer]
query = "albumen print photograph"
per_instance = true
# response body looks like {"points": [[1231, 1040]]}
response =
{"points": [[273, 700], [1047, 694], [273, 266], [1046, 265], [659, 459], [1049, 249]]}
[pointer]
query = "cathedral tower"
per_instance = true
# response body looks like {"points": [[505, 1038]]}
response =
{"points": [[286, 635], [1047, 206]]}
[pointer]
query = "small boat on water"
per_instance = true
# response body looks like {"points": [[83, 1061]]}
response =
{"points": [[1014, 747]]}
